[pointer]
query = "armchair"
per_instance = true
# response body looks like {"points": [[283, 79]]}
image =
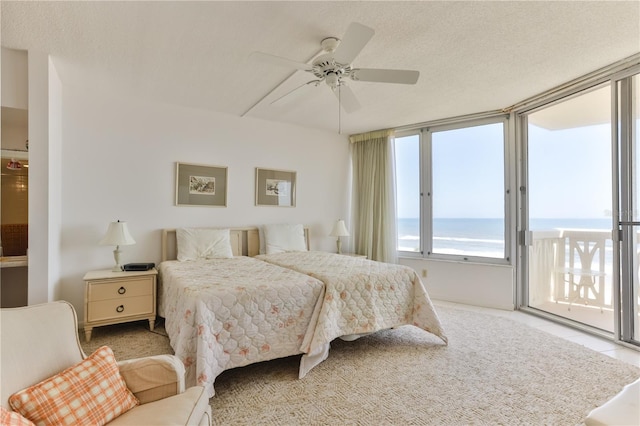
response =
{"points": [[40, 341]]}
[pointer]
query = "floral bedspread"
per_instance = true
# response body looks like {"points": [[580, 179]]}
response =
{"points": [[226, 313], [361, 296]]}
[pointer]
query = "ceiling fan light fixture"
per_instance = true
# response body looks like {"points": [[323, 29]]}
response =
{"points": [[332, 80]]}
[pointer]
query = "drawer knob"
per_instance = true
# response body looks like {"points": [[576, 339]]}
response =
{"points": [[122, 290], [120, 309]]}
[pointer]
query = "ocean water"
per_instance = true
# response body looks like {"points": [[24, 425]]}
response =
{"points": [[478, 237]]}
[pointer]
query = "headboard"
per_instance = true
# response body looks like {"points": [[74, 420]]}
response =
{"points": [[244, 242]]}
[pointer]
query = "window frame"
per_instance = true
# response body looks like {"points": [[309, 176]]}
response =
{"points": [[403, 134], [425, 133]]}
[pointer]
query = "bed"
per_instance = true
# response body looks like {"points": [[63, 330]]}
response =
{"points": [[232, 309], [360, 297]]}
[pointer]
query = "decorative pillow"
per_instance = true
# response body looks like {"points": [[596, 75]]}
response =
{"points": [[11, 418], [90, 392], [203, 243], [284, 237]]}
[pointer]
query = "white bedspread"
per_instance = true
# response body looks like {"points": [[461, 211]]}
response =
{"points": [[226, 313], [361, 296]]}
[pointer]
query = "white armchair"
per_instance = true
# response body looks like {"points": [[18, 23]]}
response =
{"points": [[40, 341]]}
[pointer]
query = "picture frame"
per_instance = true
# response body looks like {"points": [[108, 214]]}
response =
{"points": [[275, 187], [201, 185]]}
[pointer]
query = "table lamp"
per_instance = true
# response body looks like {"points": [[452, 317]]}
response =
{"points": [[117, 235], [339, 230]]}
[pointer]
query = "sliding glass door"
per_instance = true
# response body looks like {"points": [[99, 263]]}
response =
{"points": [[569, 221], [634, 228], [579, 231], [627, 132]]}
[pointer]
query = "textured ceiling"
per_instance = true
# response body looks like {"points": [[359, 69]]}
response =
{"points": [[472, 56]]}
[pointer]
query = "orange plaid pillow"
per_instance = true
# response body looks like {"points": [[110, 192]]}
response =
{"points": [[11, 418], [90, 392]]}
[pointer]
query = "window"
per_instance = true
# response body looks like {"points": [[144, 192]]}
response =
{"points": [[407, 152], [454, 206]]}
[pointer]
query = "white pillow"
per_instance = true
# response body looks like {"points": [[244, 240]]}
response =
{"points": [[284, 237], [203, 243]]}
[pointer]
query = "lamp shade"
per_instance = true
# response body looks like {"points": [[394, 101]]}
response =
{"points": [[339, 229], [117, 235]]}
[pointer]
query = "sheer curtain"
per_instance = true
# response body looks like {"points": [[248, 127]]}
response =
{"points": [[373, 195]]}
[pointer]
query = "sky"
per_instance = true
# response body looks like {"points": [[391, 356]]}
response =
{"points": [[569, 173], [467, 173]]}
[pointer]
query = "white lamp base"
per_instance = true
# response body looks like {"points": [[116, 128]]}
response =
{"points": [[339, 244], [116, 256]]}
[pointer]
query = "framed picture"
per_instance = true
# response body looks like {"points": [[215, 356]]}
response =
{"points": [[200, 185], [275, 188]]}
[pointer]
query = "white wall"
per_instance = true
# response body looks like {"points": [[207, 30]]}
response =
{"points": [[118, 162], [476, 284], [14, 137], [44, 205], [54, 182], [14, 78]]}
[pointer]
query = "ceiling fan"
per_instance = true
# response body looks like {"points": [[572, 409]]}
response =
{"points": [[333, 66]]}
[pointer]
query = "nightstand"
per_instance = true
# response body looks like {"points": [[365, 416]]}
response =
{"points": [[117, 297]]}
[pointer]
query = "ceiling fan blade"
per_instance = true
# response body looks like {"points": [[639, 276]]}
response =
{"points": [[295, 93], [378, 75], [347, 98], [277, 60], [353, 41]]}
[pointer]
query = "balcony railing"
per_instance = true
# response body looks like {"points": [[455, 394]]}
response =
{"points": [[571, 275], [571, 266]]}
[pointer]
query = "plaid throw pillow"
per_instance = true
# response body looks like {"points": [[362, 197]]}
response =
{"points": [[90, 392], [11, 418]]}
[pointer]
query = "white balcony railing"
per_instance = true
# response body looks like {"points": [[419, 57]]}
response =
{"points": [[571, 266]]}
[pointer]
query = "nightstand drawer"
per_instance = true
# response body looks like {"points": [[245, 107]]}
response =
{"points": [[120, 289], [111, 309]]}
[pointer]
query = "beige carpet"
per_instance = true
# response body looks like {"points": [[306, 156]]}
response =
{"points": [[494, 371]]}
